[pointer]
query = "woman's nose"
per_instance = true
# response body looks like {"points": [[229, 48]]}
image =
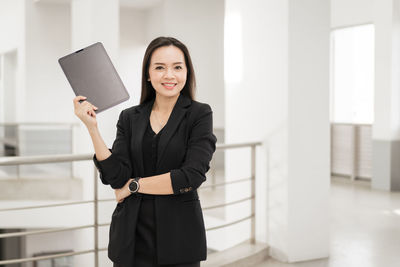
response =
{"points": [[169, 73]]}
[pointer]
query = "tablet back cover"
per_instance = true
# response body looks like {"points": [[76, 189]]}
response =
{"points": [[91, 73]]}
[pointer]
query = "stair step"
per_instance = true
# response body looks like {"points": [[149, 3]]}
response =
{"points": [[244, 254]]}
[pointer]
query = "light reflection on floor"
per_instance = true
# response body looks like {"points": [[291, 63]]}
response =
{"points": [[365, 228]]}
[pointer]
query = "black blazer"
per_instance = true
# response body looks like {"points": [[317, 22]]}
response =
{"points": [[185, 149]]}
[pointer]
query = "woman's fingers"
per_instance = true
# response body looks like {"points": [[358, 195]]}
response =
{"points": [[92, 113], [117, 196], [77, 99], [85, 108], [85, 103], [85, 111]]}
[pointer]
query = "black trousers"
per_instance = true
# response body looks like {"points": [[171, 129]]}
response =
{"points": [[145, 247]]}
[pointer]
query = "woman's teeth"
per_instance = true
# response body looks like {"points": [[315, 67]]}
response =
{"points": [[169, 85]]}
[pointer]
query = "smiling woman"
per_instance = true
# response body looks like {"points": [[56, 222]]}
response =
{"points": [[167, 74], [158, 160], [167, 70]]}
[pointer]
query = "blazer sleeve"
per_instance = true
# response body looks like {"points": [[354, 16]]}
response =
{"points": [[116, 169], [200, 149]]}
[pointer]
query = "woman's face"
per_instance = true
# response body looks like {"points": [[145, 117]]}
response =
{"points": [[167, 71]]}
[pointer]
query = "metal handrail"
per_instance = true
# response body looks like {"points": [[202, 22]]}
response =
{"points": [[238, 145], [26, 233], [231, 223], [351, 124], [9, 161], [47, 257], [40, 123], [226, 183], [228, 203], [6, 161], [48, 206], [109, 199], [63, 229], [14, 140]]}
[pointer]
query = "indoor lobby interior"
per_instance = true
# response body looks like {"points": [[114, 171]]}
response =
{"points": [[305, 99]]}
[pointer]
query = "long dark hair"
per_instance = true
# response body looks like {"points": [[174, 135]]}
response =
{"points": [[148, 91]]}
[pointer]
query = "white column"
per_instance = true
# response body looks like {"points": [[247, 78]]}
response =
{"points": [[386, 127], [283, 100]]}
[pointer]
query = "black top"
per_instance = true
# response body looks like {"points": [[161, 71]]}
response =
{"points": [[149, 147]]}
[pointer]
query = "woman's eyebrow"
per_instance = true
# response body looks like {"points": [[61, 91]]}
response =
{"points": [[159, 63]]}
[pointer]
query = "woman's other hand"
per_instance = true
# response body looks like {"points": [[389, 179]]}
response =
{"points": [[122, 193], [85, 111]]}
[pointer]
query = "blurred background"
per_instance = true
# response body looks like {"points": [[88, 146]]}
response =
{"points": [[306, 108]]}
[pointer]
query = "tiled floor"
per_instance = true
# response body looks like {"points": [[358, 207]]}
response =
{"points": [[365, 228]]}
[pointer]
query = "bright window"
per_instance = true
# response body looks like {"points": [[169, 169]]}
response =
{"points": [[352, 75], [233, 56]]}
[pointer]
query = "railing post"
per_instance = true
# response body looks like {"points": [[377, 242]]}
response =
{"points": [[96, 223], [253, 194], [18, 150], [267, 185], [353, 152], [213, 180], [72, 148]]}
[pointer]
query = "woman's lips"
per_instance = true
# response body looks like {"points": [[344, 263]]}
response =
{"points": [[169, 86]]}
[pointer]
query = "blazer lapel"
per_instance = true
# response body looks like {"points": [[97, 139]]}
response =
{"points": [[177, 114], [139, 126]]}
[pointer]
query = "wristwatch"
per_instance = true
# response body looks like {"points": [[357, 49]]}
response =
{"points": [[134, 185]]}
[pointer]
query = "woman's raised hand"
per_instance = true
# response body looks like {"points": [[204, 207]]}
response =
{"points": [[85, 111]]}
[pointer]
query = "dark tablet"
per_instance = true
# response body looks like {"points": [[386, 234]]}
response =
{"points": [[92, 74]]}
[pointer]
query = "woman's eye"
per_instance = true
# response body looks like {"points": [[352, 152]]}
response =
{"points": [[159, 68], [178, 67]]}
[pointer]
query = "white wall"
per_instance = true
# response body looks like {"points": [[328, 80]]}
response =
{"points": [[255, 108], [386, 125], [8, 86], [48, 96], [12, 40], [133, 24], [11, 24], [200, 26], [345, 13], [285, 98]]}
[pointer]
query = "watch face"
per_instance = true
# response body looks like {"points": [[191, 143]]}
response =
{"points": [[133, 186]]}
